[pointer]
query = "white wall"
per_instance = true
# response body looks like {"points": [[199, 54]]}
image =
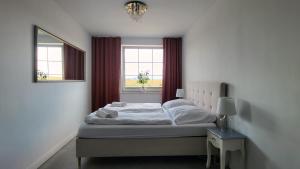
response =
{"points": [[141, 41], [36, 118], [254, 45], [141, 97]]}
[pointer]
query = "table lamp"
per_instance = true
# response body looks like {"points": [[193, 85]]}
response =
{"points": [[180, 93], [225, 108]]}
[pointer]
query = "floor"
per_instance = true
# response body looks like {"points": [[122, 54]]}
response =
{"points": [[65, 159]]}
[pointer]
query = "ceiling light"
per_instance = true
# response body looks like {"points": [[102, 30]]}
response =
{"points": [[135, 9]]}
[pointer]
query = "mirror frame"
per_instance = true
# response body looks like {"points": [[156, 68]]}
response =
{"points": [[35, 56]]}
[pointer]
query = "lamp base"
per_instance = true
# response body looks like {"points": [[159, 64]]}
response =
{"points": [[222, 122]]}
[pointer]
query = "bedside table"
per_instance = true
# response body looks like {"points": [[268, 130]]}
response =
{"points": [[228, 140]]}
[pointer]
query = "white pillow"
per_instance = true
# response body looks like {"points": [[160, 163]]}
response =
{"points": [[188, 114], [176, 102]]}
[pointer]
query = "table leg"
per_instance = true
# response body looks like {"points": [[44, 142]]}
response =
{"points": [[222, 158], [243, 151], [208, 155]]}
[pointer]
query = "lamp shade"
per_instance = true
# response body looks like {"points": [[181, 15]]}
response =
{"points": [[180, 93], [226, 106]]}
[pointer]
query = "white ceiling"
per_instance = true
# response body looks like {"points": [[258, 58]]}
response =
{"points": [[163, 18]]}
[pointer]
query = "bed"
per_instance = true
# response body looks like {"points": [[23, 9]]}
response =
{"points": [[152, 140]]}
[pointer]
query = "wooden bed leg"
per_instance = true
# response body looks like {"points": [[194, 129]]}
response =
{"points": [[79, 162]]}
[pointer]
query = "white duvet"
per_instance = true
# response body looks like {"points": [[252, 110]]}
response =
{"points": [[137, 108], [188, 114], [125, 118]]}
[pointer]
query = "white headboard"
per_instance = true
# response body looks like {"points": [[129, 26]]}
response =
{"points": [[206, 94]]}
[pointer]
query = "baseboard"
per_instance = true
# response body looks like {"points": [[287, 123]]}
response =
{"points": [[51, 152]]}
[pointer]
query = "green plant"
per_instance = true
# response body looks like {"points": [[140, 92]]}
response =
{"points": [[143, 78], [41, 75]]}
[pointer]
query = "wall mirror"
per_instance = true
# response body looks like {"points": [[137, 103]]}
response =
{"points": [[55, 59]]}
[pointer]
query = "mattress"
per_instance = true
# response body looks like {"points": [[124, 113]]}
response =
{"points": [[143, 131]]}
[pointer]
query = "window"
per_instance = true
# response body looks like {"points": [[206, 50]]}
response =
{"points": [[142, 59], [50, 62]]}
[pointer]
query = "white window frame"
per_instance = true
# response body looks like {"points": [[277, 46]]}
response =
{"points": [[136, 89]]}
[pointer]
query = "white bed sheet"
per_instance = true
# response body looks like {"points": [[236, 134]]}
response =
{"points": [[142, 131]]}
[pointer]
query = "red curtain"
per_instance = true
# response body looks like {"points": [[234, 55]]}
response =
{"points": [[106, 67], [73, 63], [172, 68]]}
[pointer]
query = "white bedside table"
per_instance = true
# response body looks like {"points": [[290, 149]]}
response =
{"points": [[228, 140]]}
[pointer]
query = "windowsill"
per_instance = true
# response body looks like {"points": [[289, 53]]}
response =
{"points": [[140, 91]]}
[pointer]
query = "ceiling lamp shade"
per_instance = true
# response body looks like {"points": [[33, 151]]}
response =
{"points": [[135, 9]]}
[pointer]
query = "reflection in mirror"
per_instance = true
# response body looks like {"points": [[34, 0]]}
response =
{"points": [[56, 60]]}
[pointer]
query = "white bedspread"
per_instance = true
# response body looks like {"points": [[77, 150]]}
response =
{"points": [[125, 118], [137, 108]]}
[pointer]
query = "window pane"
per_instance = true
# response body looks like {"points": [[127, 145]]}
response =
{"points": [[157, 77], [157, 55], [131, 77], [131, 55], [43, 67], [157, 81], [54, 77], [131, 81], [42, 53], [145, 55], [143, 59], [131, 69], [157, 68], [145, 67], [55, 67], [54, 53]]}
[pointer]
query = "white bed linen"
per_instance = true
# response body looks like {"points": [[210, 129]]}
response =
{"points": [[136, 107], [124, 118], [188, 114], [143, 131]]}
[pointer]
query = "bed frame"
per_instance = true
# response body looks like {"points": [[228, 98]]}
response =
{"points": [[203, 94]]}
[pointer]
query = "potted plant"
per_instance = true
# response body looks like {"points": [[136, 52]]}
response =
{"points": [[41, 75], [143, 79]]}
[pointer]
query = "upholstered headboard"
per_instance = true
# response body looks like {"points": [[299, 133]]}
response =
{"points": [[206, 94]]}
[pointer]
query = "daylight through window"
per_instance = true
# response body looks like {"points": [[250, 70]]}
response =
{"points": [[142, 60]]}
